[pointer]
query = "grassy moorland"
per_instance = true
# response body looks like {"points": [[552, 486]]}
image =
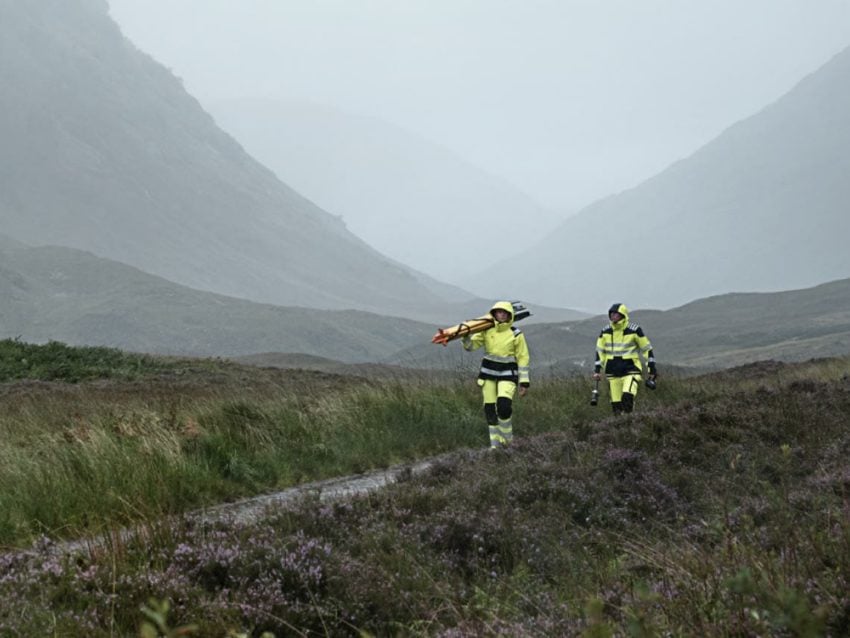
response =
{"points": [[720, 508]]}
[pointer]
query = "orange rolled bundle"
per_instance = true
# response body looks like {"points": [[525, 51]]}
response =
{"points": [[471, 326]]}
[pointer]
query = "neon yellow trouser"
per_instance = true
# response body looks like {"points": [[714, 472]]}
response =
{"points": [[502, 432], [629, 383]]}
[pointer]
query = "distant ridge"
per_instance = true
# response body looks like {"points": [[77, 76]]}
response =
{"points": [[716, 332], [62, 294]]}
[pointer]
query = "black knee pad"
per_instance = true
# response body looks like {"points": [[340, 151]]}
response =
{"points": [[628, 402], [490, 413], [504, 408], [616, 407]]}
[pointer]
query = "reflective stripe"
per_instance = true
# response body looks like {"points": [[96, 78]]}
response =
{"points": [[499, 359], [621, 352], [496, 438], [618, 348], [646, 348], [506, 430], [498, 373], [501, 434]]}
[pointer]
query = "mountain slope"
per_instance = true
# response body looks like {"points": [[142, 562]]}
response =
{"points": [[67, 295], [733, 329], [409, 198], [720, 331], [103, 150], [761, 208]]}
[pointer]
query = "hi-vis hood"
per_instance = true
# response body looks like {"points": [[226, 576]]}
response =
{"points": [[621, 308], [506, 306]]}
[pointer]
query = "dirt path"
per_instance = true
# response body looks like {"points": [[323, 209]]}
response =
{"points": [[252, 509]]}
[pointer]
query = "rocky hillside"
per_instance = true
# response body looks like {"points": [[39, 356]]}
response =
{"points": [[103, 150], [763, 207]]}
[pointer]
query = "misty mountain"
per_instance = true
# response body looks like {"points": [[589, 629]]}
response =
{"points": [[409, 198], [68, 295], [716, 332], [63, 294], [763, 207], [103, 150], [75, 297]]}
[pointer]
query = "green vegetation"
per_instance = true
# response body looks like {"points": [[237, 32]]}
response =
{"points": [[166, 437], [58, 362], [718, 508]]}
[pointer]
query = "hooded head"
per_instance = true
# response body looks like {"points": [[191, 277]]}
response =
{"points": [[621, 310], [507, 306]]}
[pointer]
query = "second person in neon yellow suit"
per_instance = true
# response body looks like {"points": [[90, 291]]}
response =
{"points": [[619, 349], [503, 369]]}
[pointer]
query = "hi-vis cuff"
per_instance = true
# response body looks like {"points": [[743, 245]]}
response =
{"points": [[523, 374]]}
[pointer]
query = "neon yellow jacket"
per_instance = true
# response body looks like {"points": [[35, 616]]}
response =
{"points": [[621, 345], [506, 355]]}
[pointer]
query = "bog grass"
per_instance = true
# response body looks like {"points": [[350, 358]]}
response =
{"points": [[719, 508], [55, 361], [71, 465]]}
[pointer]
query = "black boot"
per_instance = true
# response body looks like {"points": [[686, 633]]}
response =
{"points": [[628, 402], [617, 407]]}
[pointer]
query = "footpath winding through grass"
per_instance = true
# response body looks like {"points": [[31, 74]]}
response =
{"points": [[140, 438], [719, 508]]}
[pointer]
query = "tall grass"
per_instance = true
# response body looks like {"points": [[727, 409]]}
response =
{"points": [[72, 462], [66, 467], [80, 458], [720, 507]]}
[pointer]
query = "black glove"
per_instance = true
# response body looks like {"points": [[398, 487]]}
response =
{"points": [[650, 378]]}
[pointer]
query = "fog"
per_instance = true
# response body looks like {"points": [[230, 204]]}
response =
{"points": [[569, 100], [459, 118]]}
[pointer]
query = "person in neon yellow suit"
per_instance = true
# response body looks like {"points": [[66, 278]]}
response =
{"points": [[619, 349], [503, 369]]}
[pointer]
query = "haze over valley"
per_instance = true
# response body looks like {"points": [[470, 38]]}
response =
{"points": [[304, 205], [412, 200]]}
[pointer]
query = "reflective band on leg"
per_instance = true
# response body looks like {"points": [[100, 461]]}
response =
{"points": [[506, 430], [496, 439]]}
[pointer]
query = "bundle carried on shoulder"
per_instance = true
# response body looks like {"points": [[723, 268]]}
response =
{"points": [[479, 324]]}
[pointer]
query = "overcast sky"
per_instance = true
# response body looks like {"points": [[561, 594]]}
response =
{"points": [[570, 100]]}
